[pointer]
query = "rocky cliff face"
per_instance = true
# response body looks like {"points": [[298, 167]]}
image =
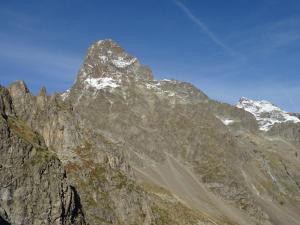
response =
{"points": [[34, 188], [136, 150]]}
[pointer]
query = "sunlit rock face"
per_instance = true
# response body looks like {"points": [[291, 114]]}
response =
{"points": [[142, 151]]}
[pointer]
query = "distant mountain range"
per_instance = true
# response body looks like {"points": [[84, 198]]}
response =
{"points": [[122, 148], [266, 113]]}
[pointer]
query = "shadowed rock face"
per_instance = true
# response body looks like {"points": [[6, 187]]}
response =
{"points": [[141, 151]]}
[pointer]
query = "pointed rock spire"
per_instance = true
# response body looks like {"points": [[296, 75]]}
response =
{"points": [[18, 88], [43, 91], [107, 59]]}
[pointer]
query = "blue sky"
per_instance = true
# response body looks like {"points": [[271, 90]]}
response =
{"points": [[228, 49]]}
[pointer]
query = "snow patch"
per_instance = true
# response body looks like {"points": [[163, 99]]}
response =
{"points": [[101, 83], [158, 88], [227, 121], [151, 86], [121, 62], [266, 113], [103, 58], [65, 94]]}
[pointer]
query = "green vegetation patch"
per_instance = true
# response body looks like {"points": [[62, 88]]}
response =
{"points": [[22, 130]]}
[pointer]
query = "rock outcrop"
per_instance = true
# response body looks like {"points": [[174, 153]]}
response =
{"points": [[34, 188]]}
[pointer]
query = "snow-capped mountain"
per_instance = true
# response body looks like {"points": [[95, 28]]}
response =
{"points": [[266, 113], [119, 147]]}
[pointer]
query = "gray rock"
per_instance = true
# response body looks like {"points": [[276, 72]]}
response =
{"points": [[33, 184]]}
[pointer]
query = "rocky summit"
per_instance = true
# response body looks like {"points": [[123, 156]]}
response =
{"points": [[122, 148]]}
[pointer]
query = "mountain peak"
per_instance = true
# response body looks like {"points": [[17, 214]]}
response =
{"points": [[107, 65], [266, 113], [106, 47], [106, 58], [108, 52]]}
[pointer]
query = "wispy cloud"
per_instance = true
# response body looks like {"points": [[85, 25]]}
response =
{"points": [[38, 66], [17, 20], [18, 49], [265, 39], [203, 27], [45, 61]]}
